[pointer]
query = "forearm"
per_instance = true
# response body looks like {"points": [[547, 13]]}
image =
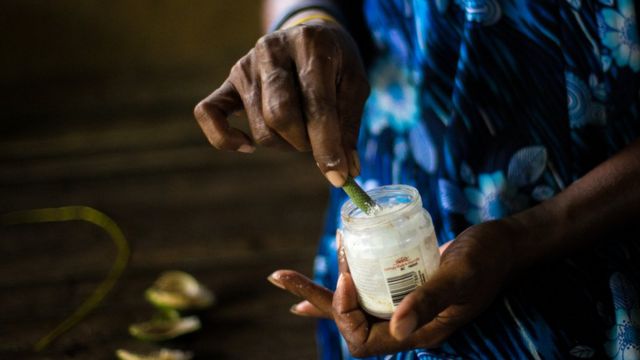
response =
{"points": [[606, 198]]}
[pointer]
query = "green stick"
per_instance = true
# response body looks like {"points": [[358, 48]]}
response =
{"points": [[359, 197]]}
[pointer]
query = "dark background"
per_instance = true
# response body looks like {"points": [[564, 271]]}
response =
{"points": [[96, 102]]}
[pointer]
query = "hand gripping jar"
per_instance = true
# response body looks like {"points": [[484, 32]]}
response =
{"points": [[391, 252]]}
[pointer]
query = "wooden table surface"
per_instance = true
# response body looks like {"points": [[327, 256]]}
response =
{"points": [[229, 219]]}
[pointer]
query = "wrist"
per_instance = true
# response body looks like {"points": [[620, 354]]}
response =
{"points": [[541, 233], [313, 16], [322, 7]]}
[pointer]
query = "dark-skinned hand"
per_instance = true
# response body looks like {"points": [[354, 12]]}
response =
{"points": [[303, 88], [473, 269]]}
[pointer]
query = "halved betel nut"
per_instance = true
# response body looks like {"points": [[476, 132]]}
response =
{"points": [[180, 291], [159, 329], [163, 354]]}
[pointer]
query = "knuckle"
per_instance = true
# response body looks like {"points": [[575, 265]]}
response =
{"points": [[203, 114], [200, 111], [306, 31], [274, 118], [262, 43], [313, 31], [270, 44], [242, 68], [237, 69], [265, 43], [313, 39], [294, 32], [276, 109], [218, 141], [277, 78], [265, 139]]}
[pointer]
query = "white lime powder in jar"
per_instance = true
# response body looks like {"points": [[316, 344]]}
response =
{"points": [[391, 252]]}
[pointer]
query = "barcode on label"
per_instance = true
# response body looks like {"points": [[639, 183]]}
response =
{"points": [[401, 285]]}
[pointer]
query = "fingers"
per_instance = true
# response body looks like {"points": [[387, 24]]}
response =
{"points": [[343, 266], [212, 113], [423, 305], [281, 107], [363, 337], [316, 58], [301, 286], [307, 309], [244, 79], [349, 318], [288, 85]]}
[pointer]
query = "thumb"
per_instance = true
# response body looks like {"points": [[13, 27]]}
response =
{"points": [[422, 305]]}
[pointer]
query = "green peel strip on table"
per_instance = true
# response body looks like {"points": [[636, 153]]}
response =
{"points": [[77, 213]]}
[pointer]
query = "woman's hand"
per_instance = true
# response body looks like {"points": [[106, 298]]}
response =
{"points": [[473, 268], [303, 88]]}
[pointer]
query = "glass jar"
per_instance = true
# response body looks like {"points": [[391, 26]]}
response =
{"points": [[391, 252]]}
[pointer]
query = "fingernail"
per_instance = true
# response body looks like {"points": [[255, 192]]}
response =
{"points": [[274, 280], [405, 326], [246, 148], [356, 163], [294, 310], [335, 178]]}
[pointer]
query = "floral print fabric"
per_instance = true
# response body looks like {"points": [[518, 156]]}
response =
{"points": [[489, 107]]}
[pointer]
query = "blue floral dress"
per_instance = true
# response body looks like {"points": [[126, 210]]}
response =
{"points": [[489, 107]]}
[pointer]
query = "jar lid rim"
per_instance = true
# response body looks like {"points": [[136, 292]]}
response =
{"points": [[348, 208]]}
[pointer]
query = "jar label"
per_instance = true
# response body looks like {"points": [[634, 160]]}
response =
{"points": [[371, 290], [403, 273]]}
